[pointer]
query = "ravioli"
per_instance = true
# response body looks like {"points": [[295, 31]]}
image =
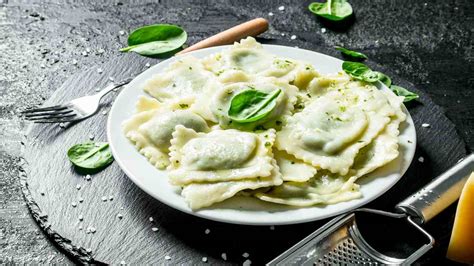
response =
{"points": [[330, 131], [248, 58], [324, 188], [184, 78], [151, 128], [200, 195], [293, 169], [220, 155]]}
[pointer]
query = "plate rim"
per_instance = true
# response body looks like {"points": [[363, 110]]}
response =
{"points": [[198, 213]]}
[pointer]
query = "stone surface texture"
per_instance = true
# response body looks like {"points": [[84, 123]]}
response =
{"points": [[427, 43]]}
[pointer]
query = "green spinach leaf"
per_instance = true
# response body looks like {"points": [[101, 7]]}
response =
{"points": [[90, 155], [155, 39], [360, 71], [400, 91], [334, 10], [385, 79], [351, 54], [252, 105]]}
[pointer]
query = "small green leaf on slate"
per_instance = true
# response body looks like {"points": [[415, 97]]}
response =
{"points": [[360, 71], [252, 105], [90, 155], [334, 10], [351, 54], [155, 39], [400, 91]]}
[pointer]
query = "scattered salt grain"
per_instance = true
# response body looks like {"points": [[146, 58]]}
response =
{"points": [[88, 177], [204, 259], [91, 137], [111, 78], [270, 14], [42, 193], [100, 70], [89, 250], [147, 65], [167, 257], [104, 112], [293, 37], [98, 89], [120, 216], [207, 231], [122, 262], [104, 198], [81, 218], [421, 159], [78, 187], [247, 263], [92, 229], [111, 198], [281, 8], [74, 204], [88, 50], [81, 200], [224, 256], [245, 255], [323, 30], [62, 125], [84, 53], [154, 229], [283, 34], [100, 51], [80, 227], [122, 32], [425, 125], [150, 219], [74, 62], [272, 227]]}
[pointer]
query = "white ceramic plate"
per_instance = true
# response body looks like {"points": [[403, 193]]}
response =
{"points": [[244, 210]]}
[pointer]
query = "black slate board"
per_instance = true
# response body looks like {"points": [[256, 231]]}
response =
{"points": [[49, 184]]}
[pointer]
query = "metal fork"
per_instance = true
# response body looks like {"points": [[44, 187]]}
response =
{"points": [[72, 111]]}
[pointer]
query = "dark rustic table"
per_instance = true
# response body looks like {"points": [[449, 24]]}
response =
{"points": [[427, 43]]}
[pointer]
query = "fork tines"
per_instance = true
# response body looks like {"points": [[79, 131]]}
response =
{"points": [[51, 114]]}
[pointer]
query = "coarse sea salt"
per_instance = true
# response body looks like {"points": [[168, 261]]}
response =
{"points": [[281, 8]]}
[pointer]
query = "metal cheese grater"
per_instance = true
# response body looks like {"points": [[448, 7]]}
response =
{"points": [[365, 237]]}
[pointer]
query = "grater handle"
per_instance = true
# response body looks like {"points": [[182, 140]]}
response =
{"points": [[439, 194]]}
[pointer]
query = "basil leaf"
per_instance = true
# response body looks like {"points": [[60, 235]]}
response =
{"points": [[155, 39], [90, 155], [385, 79], [350, 53], [360, 71], [252, 105], [334, 10], [400, 91]]}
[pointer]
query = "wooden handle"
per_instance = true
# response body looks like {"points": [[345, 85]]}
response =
{"points": [[250, 28]]}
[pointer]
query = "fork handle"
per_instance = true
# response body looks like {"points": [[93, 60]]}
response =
{"points": [[112, 86]]}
